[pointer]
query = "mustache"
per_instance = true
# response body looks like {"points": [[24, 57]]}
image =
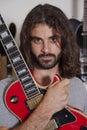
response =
{"points": [[49, 54]]}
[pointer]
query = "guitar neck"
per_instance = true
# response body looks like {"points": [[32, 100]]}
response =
{"points": [[84, 31], [17, 61], [85, 18]]}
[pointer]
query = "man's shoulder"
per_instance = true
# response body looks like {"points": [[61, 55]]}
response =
{"points": [[77, 84], [7, 81], [76, 81]]}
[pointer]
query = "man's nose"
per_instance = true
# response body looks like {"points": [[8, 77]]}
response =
{"points": [[46, 47]]}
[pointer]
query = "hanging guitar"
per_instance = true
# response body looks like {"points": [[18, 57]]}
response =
{"points": [[23, 96], [80, 29]]}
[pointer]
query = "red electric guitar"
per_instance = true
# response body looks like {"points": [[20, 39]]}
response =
{"points": [[23, 96]]}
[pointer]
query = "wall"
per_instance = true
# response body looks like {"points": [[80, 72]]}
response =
{"points": [[16, 10]]}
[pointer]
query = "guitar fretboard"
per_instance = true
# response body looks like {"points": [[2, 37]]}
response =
{"points": [[17, 61], [84, 33], [85, 17]]}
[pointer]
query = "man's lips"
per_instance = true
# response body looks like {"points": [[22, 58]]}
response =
{"points": [[46, 57]]}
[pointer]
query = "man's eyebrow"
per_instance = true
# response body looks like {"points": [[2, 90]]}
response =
{"points": [[50, 37], [55, 36], [34, 37]]}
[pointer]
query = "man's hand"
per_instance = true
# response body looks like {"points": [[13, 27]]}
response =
{"points": [[3, 128], [56, 97]]}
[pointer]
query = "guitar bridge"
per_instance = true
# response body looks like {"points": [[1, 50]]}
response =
{"points": [[52, 125], [34, 102]]}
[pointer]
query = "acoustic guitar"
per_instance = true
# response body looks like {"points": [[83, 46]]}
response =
{"points": [[24, 95]]}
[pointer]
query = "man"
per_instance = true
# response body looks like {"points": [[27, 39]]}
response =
{"points": [[49, 47]]}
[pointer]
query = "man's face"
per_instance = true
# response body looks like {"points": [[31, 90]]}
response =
{"points": [[45, 46]]}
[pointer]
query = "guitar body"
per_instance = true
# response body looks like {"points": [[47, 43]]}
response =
{"points": [[80, 122], [15, 100]]}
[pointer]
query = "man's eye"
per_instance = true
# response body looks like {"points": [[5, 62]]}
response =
{"points": [[55, 39], [36, 40]]}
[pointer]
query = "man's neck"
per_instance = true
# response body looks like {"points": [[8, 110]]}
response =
{"points": [[45, 77]]}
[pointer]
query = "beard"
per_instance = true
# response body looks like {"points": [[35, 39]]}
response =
{"points": [[43, 63]]}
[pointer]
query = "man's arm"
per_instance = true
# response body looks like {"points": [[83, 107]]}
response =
{"points": [[55, 99], [4, 128]]}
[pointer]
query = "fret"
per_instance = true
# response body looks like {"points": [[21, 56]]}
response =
{"points": [[2, 27], [23, 79], [6, 40], [30, 90], [20, 66], [30, 95], [9, 45], [27, 84], [23, 75], [29, 87], [5, 37], [16, 59], [15, 54], [26, 80], [22, 71], [12, 50], [4, 34]]}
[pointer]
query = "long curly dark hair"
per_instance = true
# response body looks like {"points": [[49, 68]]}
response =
{"points": [[52, 16]]}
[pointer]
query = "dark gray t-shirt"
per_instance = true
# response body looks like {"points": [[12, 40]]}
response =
{"points": [[77, 98]]}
